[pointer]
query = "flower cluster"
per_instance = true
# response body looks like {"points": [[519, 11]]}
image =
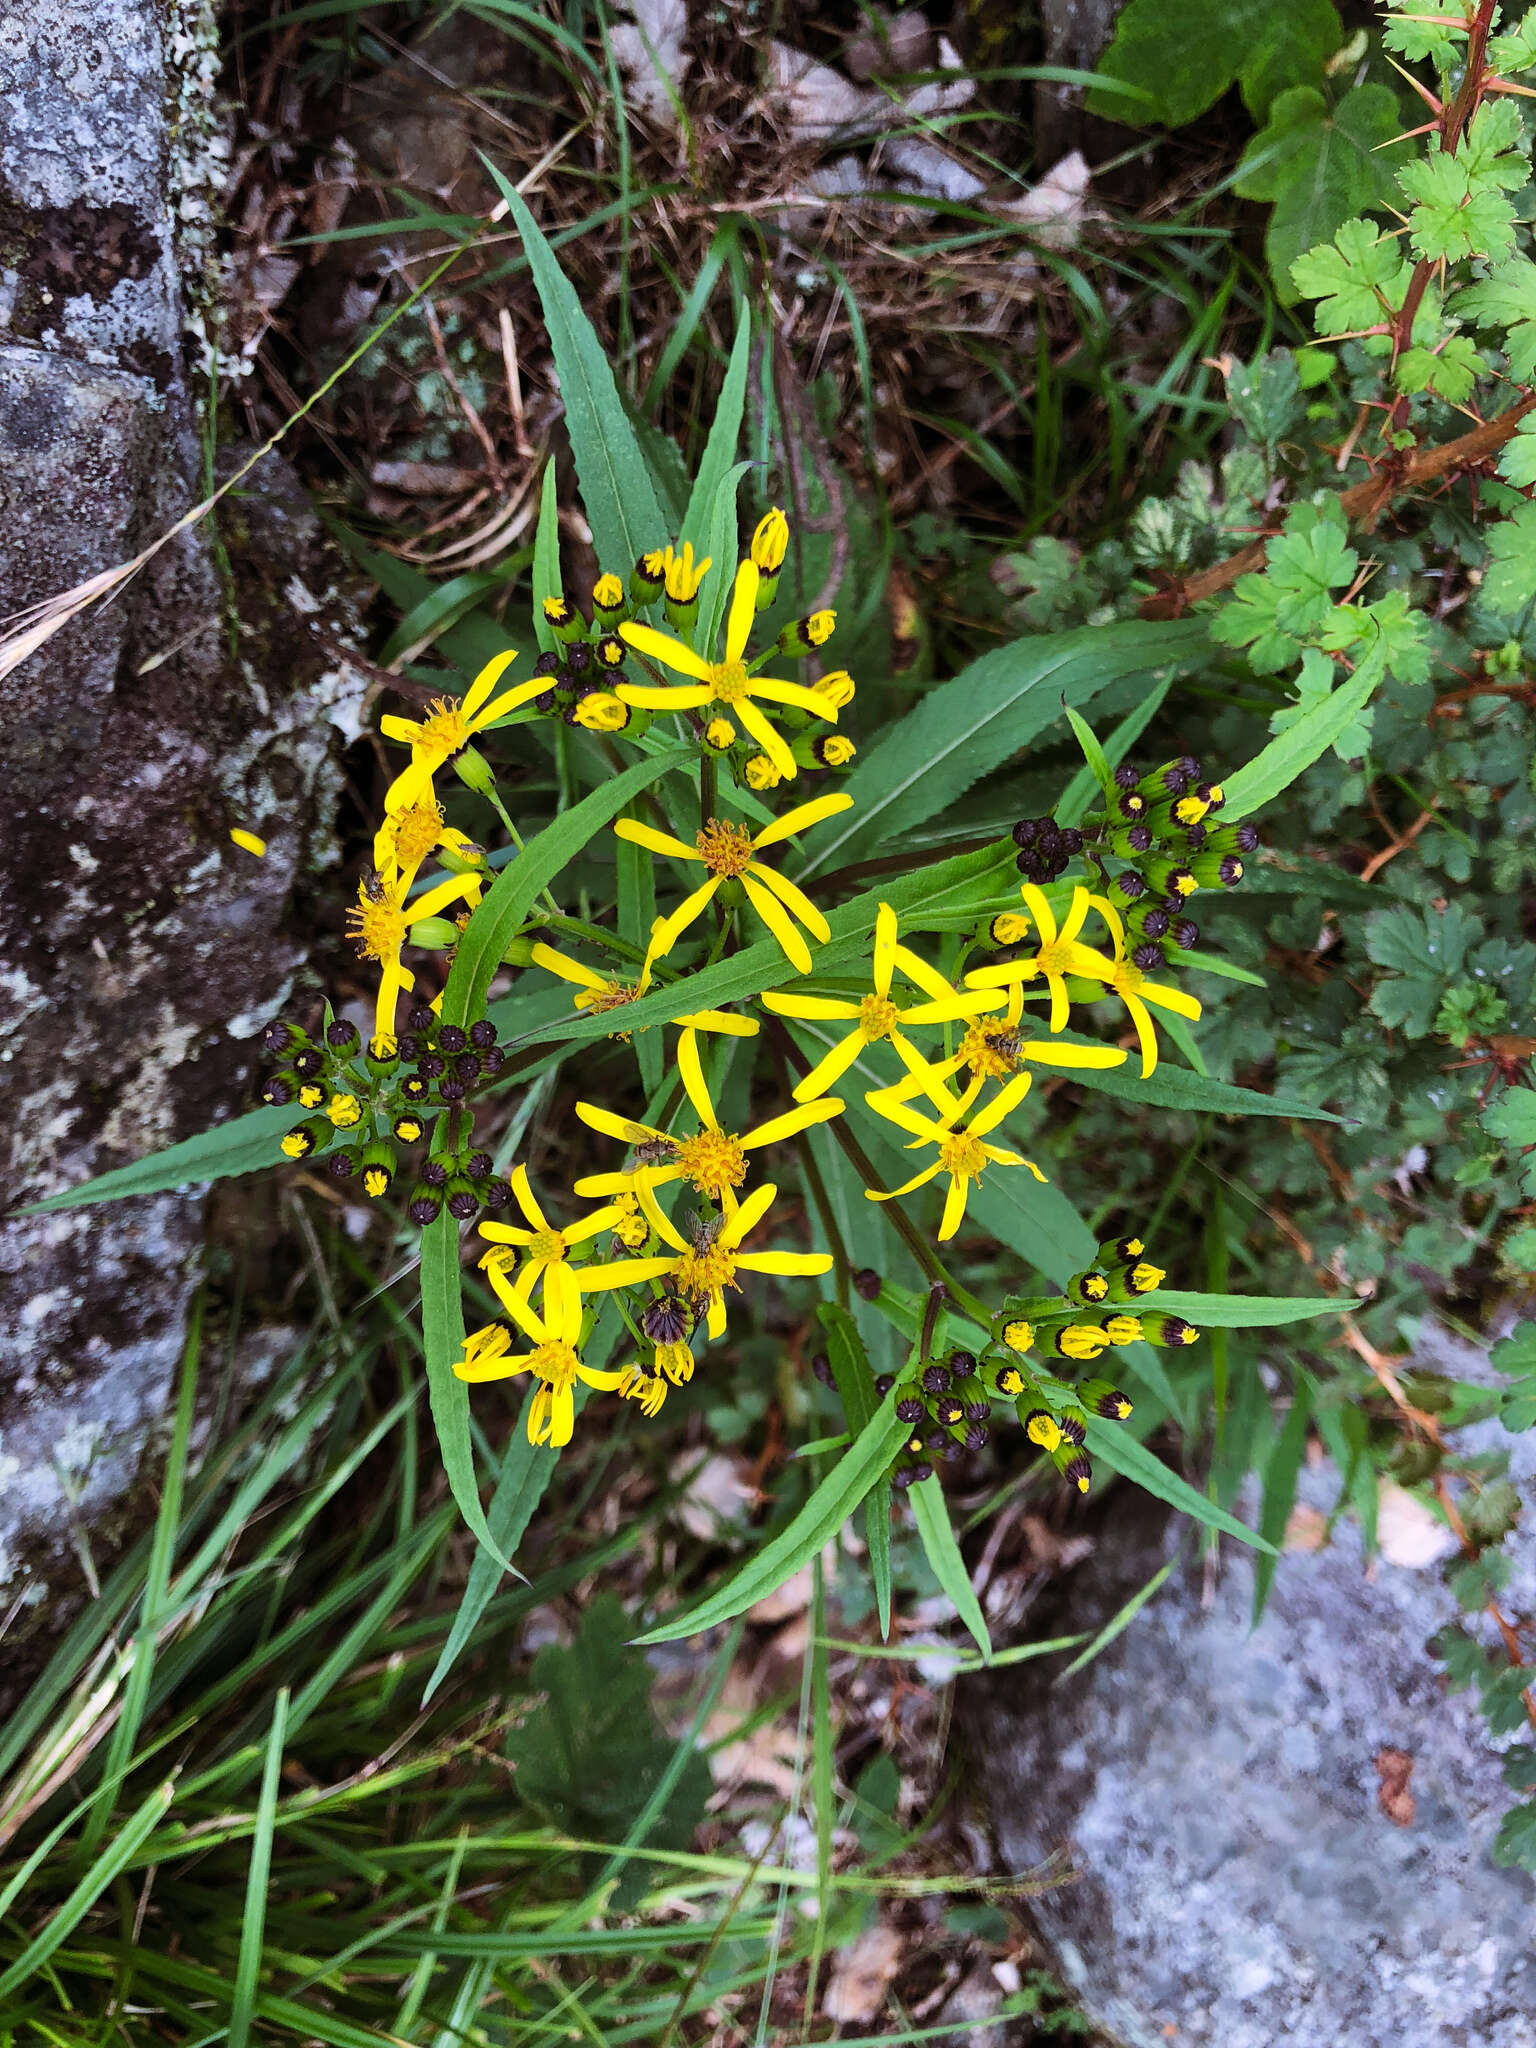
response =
{"points": [[669, 1228], [1038, 1346]]}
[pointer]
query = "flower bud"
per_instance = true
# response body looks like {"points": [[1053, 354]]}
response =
{"points": [[1007, 1380], [277, 1090], [1008, 928], [867, 1284], [761, 774], [770, 540], [430, 1065], [884, 1381], [1147, 957], [649, 579], [280, 1036], [341, 1035], [1130, 884], [496, 1194], [383, 1054], [1158, 1329], [1073, 1424], [308, 1062], [1073, 1467], [548, 663], [452, 1038], [1040, 1427], [1089, 1288], [474, 771], [463, 1202], [477, 1164], [425, 1206], [437, 1168], [972, 1396], [1079, 1341], [310, 1095], [304, 1137], [1122, 1329], [801, 636], [340, 1165], [563, 619], [378, 1164], [408, 1128], [435, 934], [935, 1378], [1127, 840], [344, 1111], [608, 605], [719, 735], [837, 688], [833, 750], [909, 1409], [1184, 933], [1019, 1336], [1104, 1399]]}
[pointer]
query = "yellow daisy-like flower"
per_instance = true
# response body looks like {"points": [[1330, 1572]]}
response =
{"points": [[725, 682], [704, 1267], [995, 1049], [770, 540], [713, 1161], [649, 1389], [595, 992], [727, 851], [1123, 978], [381, 921], [1059, 953], [545, 1251], [554, 1360], [877, 1016], [449, 726], [408, 835], [962, 1154]]}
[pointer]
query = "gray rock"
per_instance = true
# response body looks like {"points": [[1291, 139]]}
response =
{"points": [[1216, 1793], [140, 951]]}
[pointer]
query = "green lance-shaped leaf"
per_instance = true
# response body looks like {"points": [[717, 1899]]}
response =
{"points": [[1110, 1445], [850, 1479], [617, 491], [1293, 751], [1239, 1311], [973, 725], [931, 1512], [510, 897], [442, 1330], [856, 1389], [244, 1145]]}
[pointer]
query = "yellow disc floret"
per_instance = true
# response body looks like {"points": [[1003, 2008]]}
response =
{"points": [[713, 1161], [878, 1016], [724, 848]]}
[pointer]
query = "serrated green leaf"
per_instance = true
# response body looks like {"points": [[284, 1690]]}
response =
{"points": [[1505, 302], [1517, 460], [973, 725], [1456, 210], [930, 1511], [617, 492], [1512, 1120], [818, 1521], [1361, 278], [1514, 1846]]}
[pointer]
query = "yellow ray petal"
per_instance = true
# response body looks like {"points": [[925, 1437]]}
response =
{"points": [[820, 1009], [658, 842], [663, 648], [768, 737], [1007, 1099], [523, 1191], [907, 1187], [954, 1207], [568, 970], [768, 908], [692, 1072], [665, 696], [780, 1127], [509, 700], [487, 680], [794, 899], [738, 621], [885, 949], [620, 1273], [802, 818], [830, 1066], [666, 931], [1166, 998], [928, 979], [773, 691], [798, 1263], [749, 1214]]}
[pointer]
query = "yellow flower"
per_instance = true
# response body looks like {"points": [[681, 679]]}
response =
{"points": [[344, 1111], [595, 992], [248, 842], [724, 682], [683, 575], [769, 542], [705, 1266], [761, 773], [449, 726], [1059, 953], [649, 1389], [876, 1015], [608, 593], [994, 1048], [545, 1251], [381, 921], [962, 1154], [411, 832], [726, 851], [713, 1161], [554, 1361], [1123, 978], [630, 1228], [719, 734], [601, 711], [837, 688]]}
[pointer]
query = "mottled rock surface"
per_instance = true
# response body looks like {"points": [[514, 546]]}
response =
{"points": [[1221, 1795], [139, 950]]}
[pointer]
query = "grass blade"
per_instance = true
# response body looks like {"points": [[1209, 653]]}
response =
{"points": [[253, 1927], [1281, 1473], [1119, 1622], [442, 1329], [107, 1866]]}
